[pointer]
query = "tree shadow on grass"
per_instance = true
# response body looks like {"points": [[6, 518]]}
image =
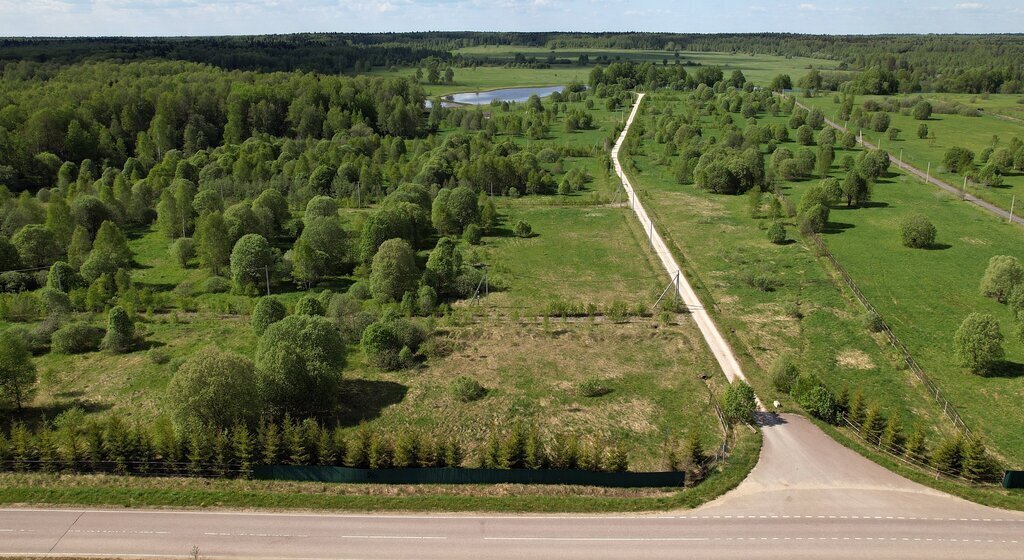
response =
{"points": [[1008, 370], [833, 228], [365, 399], [33, 416], [938, 247]]}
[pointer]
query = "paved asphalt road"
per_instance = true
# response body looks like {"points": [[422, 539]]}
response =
{"points": [[924, 176], [808, 497]]}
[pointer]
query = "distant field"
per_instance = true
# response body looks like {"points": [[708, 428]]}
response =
{"points": [[1001, 119], [757, 68]]}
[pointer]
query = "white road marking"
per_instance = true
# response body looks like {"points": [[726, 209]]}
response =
{"points": [[600, 539]]}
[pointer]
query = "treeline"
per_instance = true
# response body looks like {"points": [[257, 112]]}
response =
{"points": [[73, 443], [107, 112], [323, 53]]}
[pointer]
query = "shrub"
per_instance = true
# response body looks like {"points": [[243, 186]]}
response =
{"points": [[473, 234], [1004, 273], [393, 271], [360, 291], [917, 231], [76, 338], [467, 389], [784, 374], [182, 250], [522, 229], [55, 302], [214, 388], [299, 360], [383, 341], [739, 402], [922, 110], [120, 337], [268, 311], [815, 219], [873, 322], [777, 233], [215, 285], [159, 356], [309, 305], [979, 343], [593, 387]]}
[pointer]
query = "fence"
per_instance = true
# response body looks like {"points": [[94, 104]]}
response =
{"points": [[472, 476], [947, 408]]}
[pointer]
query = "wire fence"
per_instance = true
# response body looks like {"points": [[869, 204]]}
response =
{"points": [[947, 407]]}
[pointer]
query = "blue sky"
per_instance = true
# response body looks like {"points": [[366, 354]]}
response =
{"points": [[220, 17]]}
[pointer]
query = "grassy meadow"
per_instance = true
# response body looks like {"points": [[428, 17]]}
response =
{"points": [[585, 251], [1000, 121]]}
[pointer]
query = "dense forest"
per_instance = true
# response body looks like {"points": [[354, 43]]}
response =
{"points": [[899, 63]]}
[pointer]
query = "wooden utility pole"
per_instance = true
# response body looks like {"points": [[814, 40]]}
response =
{"points": [[1013, 201]]}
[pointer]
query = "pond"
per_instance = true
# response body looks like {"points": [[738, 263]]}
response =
{"points": [[517, 95]]}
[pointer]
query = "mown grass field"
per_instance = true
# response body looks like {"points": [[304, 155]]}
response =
{"points": [[973, 133], [720, 243], [925, 294]]}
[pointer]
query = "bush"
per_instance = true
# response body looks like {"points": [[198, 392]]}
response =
{"points": [[55, 302], [917, 232], [120, 337], [393, 271], [979, 343], [473, 234], [467, 389], [214, 388], [383, 341], [777, 233], [76, 338], [593, 387], [360, 291], [299, 361], [182, 250], [268, 311], [215, 285], [1004, 273], [784, 374], [739, 402], [872, 322], [159, 356], [522, 229], [309, 305]]}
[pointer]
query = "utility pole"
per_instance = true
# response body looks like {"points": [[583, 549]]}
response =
{"points": [[901, 157], [928, 175], [963, 191], [1013, 201], [266, 275]]}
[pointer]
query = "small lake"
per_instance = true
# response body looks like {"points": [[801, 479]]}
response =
{"points": [[516, 95]]}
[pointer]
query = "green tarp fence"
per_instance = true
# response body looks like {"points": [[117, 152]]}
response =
{"points": [[470, 476], [1013, 479]]}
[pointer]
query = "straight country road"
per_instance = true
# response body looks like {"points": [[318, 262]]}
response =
{"points": [[928, 178]]}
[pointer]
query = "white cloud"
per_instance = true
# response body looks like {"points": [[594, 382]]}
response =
{"points": [[969, 6]]}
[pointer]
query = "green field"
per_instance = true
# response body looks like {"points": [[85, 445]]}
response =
{"points": [[1000, 119], [925, 294], [719, 243], [757, 68], [585, 252]]}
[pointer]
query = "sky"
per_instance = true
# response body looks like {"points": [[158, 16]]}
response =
{"points": [[235, 17]]}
